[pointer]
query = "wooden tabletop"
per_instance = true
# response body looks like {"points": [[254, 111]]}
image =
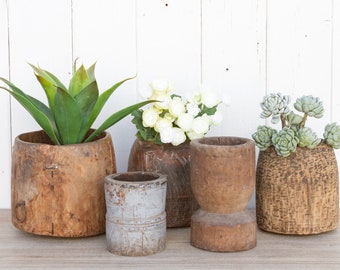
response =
{"points": [[19, 250]]}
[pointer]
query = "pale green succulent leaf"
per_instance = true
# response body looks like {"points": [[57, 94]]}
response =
{"points": [[293, 119], [114, 118], [68, 117]]}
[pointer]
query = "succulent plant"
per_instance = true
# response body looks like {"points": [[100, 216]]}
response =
{"points": [[310, 105], [274, 105], [308, 138], [263, 137], [293, 132], [285, 141], [73, 110], [332, 135]]}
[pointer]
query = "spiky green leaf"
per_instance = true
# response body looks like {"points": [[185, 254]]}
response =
{"points": [[79, 81], [68, 118], [114, 118]]}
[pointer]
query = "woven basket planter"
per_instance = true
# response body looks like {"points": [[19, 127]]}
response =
{"points": [[298, 194]]}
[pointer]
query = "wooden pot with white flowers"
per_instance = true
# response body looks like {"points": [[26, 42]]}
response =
{"points": [[164, 131], [58, 172], [297, 179]]}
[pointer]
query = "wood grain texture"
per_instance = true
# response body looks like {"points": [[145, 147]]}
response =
{"points": [[24, 251]]}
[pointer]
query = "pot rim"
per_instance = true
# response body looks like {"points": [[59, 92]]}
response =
{"points": [[154, 177], [203, 142], [19, 139]]}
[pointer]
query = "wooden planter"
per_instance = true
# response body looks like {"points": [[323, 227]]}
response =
{"points": [[223, 181], [173, 161], [59, 190], [135, 218], [298, 194]]}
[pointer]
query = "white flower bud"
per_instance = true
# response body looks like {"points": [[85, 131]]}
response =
{"points": [[176, 106], [178, 136], [201, 124], [166, 135], [162, 123], [193, 109], [209, 99], [150, 117], [184, 121], [193, 135]]}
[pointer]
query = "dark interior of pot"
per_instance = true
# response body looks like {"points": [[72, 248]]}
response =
{"points": [[223, 141], [136, 176]]}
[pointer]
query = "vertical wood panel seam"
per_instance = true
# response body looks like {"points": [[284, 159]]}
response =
{"points": [[72, 34], [9, 73], [332, 62]]}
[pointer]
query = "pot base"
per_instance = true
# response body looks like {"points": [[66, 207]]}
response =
{"points": [[223, 232]]}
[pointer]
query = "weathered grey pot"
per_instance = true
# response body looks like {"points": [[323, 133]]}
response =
{"points": [[135, 217]]}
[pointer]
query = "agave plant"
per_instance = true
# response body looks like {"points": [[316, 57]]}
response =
{"points": [[71, 111], [294, 133]]}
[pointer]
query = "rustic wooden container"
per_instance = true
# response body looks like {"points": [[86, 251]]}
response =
{"points": [[298, 194], [173, 161], [59, 190], [135, 218], [223, 181]]}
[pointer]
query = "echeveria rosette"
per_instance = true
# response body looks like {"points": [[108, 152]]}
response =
{"points": [[308, 138], [263, 137], [332, 135], [275, 105], [310, 105], [285, 141]]}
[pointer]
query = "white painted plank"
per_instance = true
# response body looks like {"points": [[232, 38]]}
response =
{"points": [[105, 32], [40, 33], [5, 134], [335, 96], [168, 43], [299, 52], [233, 60]]}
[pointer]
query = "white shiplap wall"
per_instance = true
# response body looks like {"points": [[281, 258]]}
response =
{"points": [[243, 48]]}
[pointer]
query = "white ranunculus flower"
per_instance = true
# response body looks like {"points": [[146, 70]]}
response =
{"points": [[162, 123], [160, 85], [216, 118], [163, 101], [176, 106], [201, 124], [184, 121], [209, 99], [193, 109], [193, 135], [169, 117], [149, 117], [178, 136], [166, 135]]}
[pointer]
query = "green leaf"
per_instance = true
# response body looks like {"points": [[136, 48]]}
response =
{"points": [[68, 118], [86, 100], [48, 76], [114, 118], [102, 100], [79, 81], [38, 115]]}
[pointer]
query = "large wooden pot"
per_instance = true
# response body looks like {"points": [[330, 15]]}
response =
{"points": [[173, 161], [298, 194], [59, 190]]}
